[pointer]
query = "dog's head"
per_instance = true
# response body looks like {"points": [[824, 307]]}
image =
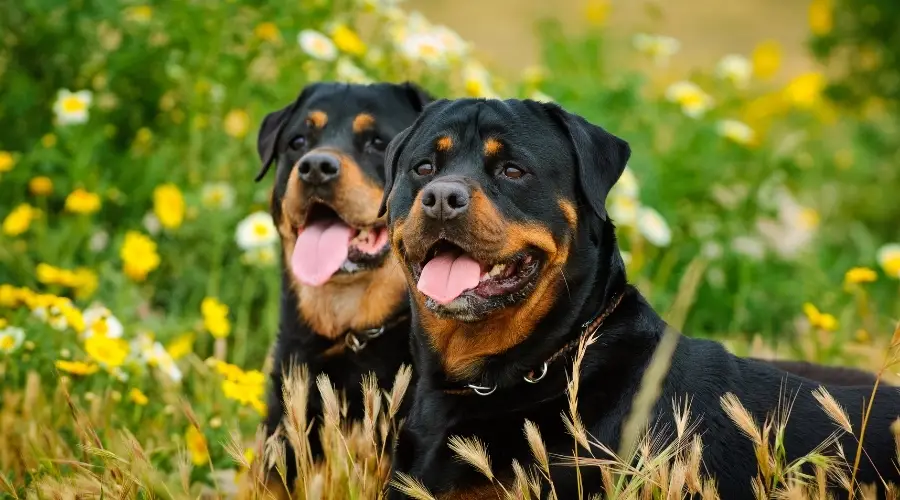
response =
{"points": [[488, 200], [329, 147]]}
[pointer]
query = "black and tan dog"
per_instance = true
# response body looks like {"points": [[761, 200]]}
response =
{"points": [[497, 215], [344, 306]]}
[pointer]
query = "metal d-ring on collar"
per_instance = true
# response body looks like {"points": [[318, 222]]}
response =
{"points": [[530, 378], [356, 341]]}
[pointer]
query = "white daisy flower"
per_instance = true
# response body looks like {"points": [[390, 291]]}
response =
{"points": [[693, 100], [71, 108], [256, 231], [749, 246], [11, 338], [154, 354], [889, 259], [654, 228], [260, 257], [627, 185], [348, 72], [623, 210], [736, 131], [659, 48], [151, 223], [217, 195], [427, 48], [456, 46], [98, 242], [736, 69], [317, 45], [98, 320], [477, 81]]}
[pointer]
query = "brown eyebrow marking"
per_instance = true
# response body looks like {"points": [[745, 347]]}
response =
{"points": [[363, 121], [444, 143], [492, 146], [318, 119]]}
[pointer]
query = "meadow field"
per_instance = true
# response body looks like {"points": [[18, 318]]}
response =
{"points": [[139, 268]]}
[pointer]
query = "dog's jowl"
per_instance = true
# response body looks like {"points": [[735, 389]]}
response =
{"points": [[497, 217], [344, 308]]}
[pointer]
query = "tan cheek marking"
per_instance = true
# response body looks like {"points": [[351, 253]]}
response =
{"points": [[492, 147], [363, 122], [444, 143], [318, 119], [569, 212]]}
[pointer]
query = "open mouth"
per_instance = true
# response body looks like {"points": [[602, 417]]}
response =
{"points": [[448, 274], [327, 245]]}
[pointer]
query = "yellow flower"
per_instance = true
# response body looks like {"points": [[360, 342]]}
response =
{"points": [[821, 17], [862, 336], [40, 186], [228, 370], [860, 275], [267, 31], [597, 12], [85, 283], [766, 59], [347, 40], [215, 317], [107, 351], [7, 161], [247, 388], [181, 346], [237, 123], [72, 107], [76, 367], [82, 202], [48, 141], [817, 319], [196, 446], [889, 259], [19, 220], [138, 397], [139, 13], [138, 255], [168, 205], [805, 91]]}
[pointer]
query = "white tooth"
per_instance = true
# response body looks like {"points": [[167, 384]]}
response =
{"points": [[484, 277], [497, 269], [363, 234]]}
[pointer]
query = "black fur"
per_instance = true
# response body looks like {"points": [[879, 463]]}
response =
{"points": [[564, 163], [394, 108]]}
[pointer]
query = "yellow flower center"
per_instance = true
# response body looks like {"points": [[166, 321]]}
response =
{"points": [[7, 342], [892, 265], [260, 230], [72, 104]]}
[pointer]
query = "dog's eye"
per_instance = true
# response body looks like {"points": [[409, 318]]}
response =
{"points": [[377, 143], [298, 142], [424, 169], [512, 172]]}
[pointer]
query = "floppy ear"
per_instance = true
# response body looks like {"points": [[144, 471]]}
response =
{"points": [[418, 96], [270, 131], [391, 154], [601, 157]]}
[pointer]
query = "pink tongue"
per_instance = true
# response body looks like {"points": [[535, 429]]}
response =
{"points": [[447, 276], [320, 250]]}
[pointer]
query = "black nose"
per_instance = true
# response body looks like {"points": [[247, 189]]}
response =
{"points": [[319, 168], [445, 200]]}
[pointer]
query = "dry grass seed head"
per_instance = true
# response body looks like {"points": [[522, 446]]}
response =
{"points": [[401, 384], [536, 443], [411, 487], [833, 409], [331, 406], [741, 417], [520, 487], [473, 452]]}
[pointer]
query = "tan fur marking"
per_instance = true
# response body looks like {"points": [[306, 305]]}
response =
{"points": [[463, 346], [356, 301], [318, 119], [363, 122], [569, 211], [492, 147], [444, 144]]}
